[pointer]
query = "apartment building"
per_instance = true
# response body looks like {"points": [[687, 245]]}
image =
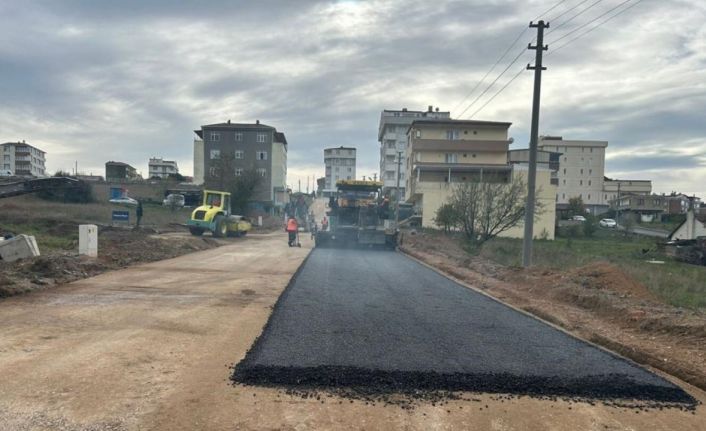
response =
{"points": [[442, 154], [160, 168], [244, 147], [120, 172], [392, 136], [581, 171], [340, 165], [22, 159], [582, 174]]}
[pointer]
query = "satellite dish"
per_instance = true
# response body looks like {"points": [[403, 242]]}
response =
{"points": [[511, 140]]}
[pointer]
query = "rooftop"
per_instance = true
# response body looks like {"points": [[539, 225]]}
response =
{"points": [[461, 123]]}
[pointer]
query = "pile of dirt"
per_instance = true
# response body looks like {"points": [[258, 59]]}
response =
{"points": [[118, 248], [597, 302]]}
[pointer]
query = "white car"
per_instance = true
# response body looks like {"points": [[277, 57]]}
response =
{"points": [[175, 200], [608, 222], [124, 201], [578, 218]]}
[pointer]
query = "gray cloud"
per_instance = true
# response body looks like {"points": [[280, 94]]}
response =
{"points": [[93, 81]]}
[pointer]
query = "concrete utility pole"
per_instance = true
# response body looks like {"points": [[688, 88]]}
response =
{"points": [[397, 189], [534, 137]]}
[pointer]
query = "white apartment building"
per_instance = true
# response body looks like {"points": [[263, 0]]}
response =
{"points": [[161, 168], [340, 165], [582, 173], [22, 159], [392, 136]]}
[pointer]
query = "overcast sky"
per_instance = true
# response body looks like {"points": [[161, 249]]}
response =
{"points": [[92, 81]]}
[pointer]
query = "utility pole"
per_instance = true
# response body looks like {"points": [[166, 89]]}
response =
{"points": [[617, 218], [397, 190], [534, 137]]}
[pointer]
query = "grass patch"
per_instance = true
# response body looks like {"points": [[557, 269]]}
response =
{"points": [[677, 283]]}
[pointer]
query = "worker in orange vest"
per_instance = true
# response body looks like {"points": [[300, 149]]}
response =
{"points": [[292, 228]]}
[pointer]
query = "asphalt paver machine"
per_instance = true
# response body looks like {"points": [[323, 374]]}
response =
{"points": [[358, 216]]}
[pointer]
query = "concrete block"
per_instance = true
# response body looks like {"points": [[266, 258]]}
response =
{"points": [[88, 240], [19, 247]]}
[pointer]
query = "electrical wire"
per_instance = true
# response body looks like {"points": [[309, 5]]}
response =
{"points": [[568, 10], [497, 93], [593, 20], [557, 27], [514, 42], [563, 45], [493, 83]]}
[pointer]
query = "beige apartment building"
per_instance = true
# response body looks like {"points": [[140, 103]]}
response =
{"points": [[581, 174], [441, 154]]}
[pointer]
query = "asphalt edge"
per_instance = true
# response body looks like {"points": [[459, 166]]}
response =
{"points": [[617, 355], [239, 366]]}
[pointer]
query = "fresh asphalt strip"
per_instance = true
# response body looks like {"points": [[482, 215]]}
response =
{"points": [[379, 321]]}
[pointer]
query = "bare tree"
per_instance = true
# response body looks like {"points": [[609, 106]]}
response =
{"points": [[487, 209], [242, 185]]}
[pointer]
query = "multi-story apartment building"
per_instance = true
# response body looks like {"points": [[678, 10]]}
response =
{"points": [[582, 174], [244, 147], [442, 154], [340, 165], [160, 168], [392, 136], [22, 159], [581, 170], [120, 172]]}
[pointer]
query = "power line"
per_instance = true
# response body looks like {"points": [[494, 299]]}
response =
{"points": [[553, 50], [595, 27], [549, 10], [514, 42], [493, 83], [592, 21], [498, 92], [490, 70], [567, 11], [556, 27]]}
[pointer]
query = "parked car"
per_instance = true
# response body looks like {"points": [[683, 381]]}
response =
{"points": [[578, 218], [608, 222], [124, 201], [174, 200]]}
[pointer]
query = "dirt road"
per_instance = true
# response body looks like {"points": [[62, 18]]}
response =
{"points": [[148, 348]]}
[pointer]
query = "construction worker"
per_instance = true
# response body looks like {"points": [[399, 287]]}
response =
{"points": [[291, 229], [138, 212]]}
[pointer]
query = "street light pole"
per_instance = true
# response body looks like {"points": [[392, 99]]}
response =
{"points": [[397, 189]]}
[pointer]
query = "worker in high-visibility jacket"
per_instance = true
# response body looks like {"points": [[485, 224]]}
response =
{"points": [[291, 229]]}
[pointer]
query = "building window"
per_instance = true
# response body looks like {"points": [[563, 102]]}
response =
{"points": [[589, 182], [589, 197], [590, 171], [212, 171], [564, 171], [215, 154], [581, 171], [261, 155], [238, 136], [261, 172], [581, 182], [238, 172], [451, 158], [261, 137], [350, 169], [215, 136], [563, 195], [564, 182], [452, 134], [239, 154]]}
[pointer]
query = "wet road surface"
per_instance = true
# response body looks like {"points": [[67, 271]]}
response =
{"points": [[381, 320]]}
